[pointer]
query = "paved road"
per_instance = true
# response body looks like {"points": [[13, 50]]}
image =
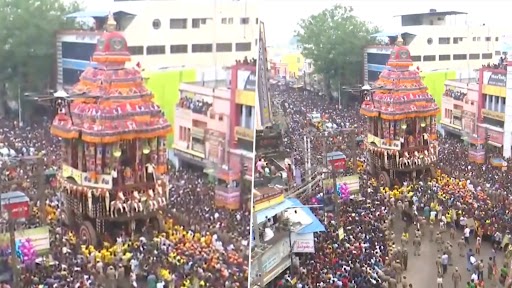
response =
{"points": [[421, 270]]}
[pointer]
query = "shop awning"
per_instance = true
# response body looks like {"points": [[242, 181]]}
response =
{"points": [[270, 212], [315, 225]]}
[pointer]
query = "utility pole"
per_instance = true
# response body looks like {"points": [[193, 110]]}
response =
{"points": [[41, 190]]}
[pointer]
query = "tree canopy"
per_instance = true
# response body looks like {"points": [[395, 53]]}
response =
{"points": [[28, 29], [334, 39]]}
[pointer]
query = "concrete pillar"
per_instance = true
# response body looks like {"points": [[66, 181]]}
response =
{"points": [[243, 120], [507, 134]]}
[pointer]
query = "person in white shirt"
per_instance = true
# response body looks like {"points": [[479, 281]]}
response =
{"points": [[474, 277], [467, 232]]}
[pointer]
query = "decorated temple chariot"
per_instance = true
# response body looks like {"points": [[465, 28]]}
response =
{"points": [[113, 145], [401, 117]]}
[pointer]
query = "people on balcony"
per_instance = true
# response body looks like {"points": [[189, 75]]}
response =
{"points": [[197, 106]]}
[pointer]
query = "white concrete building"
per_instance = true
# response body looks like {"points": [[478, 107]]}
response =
{"points": [[166, 33]]}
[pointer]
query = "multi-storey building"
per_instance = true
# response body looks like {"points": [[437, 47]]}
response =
{"points": [[492, 101], [460, 107], [438, 43], [213, 126], [165, 33]]}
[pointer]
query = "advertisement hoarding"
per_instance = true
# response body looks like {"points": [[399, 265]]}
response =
{"points": [[263, 77]]}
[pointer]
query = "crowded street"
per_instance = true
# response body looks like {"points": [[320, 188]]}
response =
{"points": [[462, 194], [201, 244]]}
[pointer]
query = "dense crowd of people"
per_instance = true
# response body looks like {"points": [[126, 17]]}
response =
{"points": [[462, 194], [196, 106], [202, 246]]}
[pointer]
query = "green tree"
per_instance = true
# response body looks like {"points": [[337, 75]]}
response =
{"points": [[334, 39], [28, 37]]}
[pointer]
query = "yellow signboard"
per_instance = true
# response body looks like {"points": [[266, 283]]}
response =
{"points": [[494, 90], [244, 133], [493, 114], [394, 145], [264, 203], [102, 181], [246, 98]]}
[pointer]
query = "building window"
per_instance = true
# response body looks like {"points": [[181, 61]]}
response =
{"points": [[257, 21], [497, 39], [486, 55], [256, 42], [178, 23], [243, 47], [179, 49], [197, 22], [460, 56], [457, 40], [448, 113], [226, 20], [157, 24], [136, 50], [416, 58], [474, 56], [155, 50], [429, 58], [224, 47], [445, 57], [202, 48], [430, 41], [476, 39], [488, 39], [244, 20], [497, 53], [444, 40]]}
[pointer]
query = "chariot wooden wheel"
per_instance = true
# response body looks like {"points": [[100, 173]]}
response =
{"points": [[88, 233], [384, 180]]}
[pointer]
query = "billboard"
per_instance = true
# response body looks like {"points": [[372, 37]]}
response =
{"points": [[494, 83], [246, 80], [263, 77]]}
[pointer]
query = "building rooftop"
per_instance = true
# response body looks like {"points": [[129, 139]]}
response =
{"points": [[433, 12]]}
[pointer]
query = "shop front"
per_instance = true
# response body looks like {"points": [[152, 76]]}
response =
{"points": [[272, 262], [228, 189], [493, 135]]}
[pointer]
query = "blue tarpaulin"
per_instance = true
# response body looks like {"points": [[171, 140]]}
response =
{"points": [[315, 226], [270, 212]]}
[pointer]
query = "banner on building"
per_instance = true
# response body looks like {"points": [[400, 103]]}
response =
{"points": [[303, 243]]}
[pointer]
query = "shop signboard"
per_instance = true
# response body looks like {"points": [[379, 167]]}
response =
{"points": [[15, 204], [494, 83], [244, 133], [303, 243], [493, 114]]}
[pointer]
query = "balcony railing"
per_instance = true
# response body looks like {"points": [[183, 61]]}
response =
{"points": [[196, 106]]}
